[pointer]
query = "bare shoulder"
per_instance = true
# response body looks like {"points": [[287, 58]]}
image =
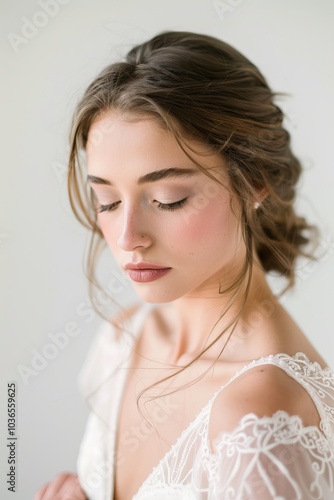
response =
{"points": [[262, 390]]}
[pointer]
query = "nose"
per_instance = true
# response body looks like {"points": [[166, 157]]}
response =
{"points": [[133, 230]]}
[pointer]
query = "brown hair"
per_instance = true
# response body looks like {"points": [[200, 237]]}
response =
{"points": [[201, 88]]}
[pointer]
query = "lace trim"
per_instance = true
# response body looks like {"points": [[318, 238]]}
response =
{"points": [[269, 432], [255, 436], [317, 381], [280, 426]]}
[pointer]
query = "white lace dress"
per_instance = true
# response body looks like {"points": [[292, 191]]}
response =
{"points": [[263, 458]]}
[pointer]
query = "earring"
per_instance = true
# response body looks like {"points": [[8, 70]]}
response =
{"points": [[256, 205]]}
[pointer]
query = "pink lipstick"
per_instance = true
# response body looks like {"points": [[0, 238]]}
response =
{"points": [[144, 272]]}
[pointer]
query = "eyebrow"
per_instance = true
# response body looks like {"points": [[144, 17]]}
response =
{"points": [[166, 173]]}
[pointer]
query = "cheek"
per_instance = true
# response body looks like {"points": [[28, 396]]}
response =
{"points": [[108, 230], [210, 225]]}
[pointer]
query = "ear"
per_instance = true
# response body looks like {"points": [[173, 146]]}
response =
{"points": [[260, 196]]}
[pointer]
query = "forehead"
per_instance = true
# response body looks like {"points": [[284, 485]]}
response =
{"points": [[137, 145], [116, 131]]}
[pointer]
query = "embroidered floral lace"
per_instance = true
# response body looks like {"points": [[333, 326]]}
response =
{"points": [[263, 458]]}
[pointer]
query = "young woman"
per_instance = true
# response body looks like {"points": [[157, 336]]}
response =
{"points": [[206, 389]]}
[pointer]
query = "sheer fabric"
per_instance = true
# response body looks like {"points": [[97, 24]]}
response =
{"points": [[262, 458]]}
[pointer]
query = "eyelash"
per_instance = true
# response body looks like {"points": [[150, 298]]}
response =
{"points": [[171, 207], [177, 205], [107, 208]]}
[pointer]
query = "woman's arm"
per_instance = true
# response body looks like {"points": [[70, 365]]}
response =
{"points": [[270, 444]]}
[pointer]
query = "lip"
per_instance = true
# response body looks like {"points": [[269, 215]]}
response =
{"points": [[143, 272], [147, 275], [144, 266]]}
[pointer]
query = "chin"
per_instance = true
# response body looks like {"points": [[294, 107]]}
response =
{"points": [[155, 297]]}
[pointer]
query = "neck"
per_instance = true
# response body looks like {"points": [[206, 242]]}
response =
{"points": [[195, 321]]}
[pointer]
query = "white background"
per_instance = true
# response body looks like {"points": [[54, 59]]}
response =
{"points": [[43, 287]]}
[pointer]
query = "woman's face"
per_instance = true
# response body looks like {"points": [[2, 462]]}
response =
{"points": [[156, 207]]}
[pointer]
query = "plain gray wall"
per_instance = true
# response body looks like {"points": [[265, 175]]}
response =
{"points": [[43, 287]]}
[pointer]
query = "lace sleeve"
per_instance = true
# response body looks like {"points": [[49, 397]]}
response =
{"points": [[269, 458]]}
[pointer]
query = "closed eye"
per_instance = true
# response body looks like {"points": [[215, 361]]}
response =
{"points": [[172, 206], [177, 205], [107, 208]]}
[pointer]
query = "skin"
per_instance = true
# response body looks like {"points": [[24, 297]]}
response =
{"points": [[202, 243], [64, 486]]}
